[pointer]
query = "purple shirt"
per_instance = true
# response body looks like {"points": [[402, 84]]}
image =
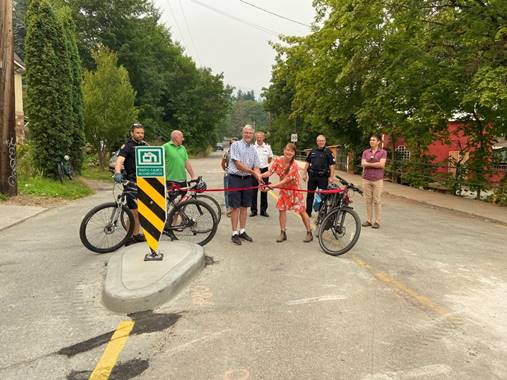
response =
{"points": [[373, 174]]}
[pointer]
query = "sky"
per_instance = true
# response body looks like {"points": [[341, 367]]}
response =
{"points": [[239, 50]]}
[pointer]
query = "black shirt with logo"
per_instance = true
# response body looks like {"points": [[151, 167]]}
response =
{"points": [[320, 160], [128, 151]]}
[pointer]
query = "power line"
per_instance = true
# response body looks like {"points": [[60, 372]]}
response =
{"points": [[275, 14], [188, 29], [255, 26], [176, 22]]}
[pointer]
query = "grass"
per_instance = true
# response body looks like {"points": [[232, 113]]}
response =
{"points": [[46, 187], [94, 172], [3, 197]]}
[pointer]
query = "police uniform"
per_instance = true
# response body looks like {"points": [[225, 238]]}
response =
{"points": [[319, 170], [128, 151]]}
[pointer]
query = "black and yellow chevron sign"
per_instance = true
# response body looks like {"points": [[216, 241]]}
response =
{"points": [[151, 195], [151, 203]]}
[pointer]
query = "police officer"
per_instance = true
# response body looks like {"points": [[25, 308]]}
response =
{"points": [[127, 160], [319, 170]]}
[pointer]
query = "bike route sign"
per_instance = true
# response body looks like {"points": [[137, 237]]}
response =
{"points": [[150, 161], [151, 196]]}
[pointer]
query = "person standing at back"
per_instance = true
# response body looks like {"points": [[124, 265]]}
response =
{"points": [[265, 157], [373, 162], [319, 170], [127, 160], [177, 163]]}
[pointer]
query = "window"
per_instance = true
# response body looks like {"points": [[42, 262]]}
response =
{"points": [[402, 153]]}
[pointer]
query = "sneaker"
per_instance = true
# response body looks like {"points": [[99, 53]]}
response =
{"points": [[139, 238], [245, 236], [375, 225], [366, 224], [236, 239]]}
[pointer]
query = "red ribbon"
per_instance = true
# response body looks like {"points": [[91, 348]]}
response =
{"points": [[228, 189]]}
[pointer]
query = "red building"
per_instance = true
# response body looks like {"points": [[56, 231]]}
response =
{"points": [[455, 149]]}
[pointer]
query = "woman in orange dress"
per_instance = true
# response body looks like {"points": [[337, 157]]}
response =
{"points": [[288, 171]]}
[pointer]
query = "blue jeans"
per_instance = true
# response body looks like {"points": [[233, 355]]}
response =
{"points": [[226, 194]]}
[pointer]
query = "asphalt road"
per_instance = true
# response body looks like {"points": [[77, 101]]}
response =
{"points": [[421, 298]]}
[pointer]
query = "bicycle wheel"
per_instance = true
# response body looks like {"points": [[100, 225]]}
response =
{"points": [[339, 231], [101, 230], [193, 221], [213, 203]]}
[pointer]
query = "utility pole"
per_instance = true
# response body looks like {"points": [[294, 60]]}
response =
{"points": [[8, 183]]}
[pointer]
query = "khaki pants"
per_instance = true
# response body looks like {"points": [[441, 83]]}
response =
{"points": [[372, 196]]}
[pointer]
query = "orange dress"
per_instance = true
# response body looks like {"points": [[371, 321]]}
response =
{"points": [[289, 199]]}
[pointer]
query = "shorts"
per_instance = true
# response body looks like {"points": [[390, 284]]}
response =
{"points": [[172, 194], [242, 198], [131, 189]]}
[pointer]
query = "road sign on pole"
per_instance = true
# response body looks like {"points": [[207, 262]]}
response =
{"points": [[151, 196], [294, 138]]}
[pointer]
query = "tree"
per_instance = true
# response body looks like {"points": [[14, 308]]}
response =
{"points": [[19, 14], [76, 99], [48, 87], [109, 108]]}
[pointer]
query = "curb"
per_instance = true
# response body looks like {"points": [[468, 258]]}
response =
{"points": [[24, 219], [461, 212], [118, 298]]}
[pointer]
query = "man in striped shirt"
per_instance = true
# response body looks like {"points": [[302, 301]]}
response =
{"points": [[243, 171]]}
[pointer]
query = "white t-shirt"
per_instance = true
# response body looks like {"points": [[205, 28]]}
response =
{"points": [[265, 153]]}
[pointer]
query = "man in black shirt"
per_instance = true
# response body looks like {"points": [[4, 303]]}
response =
{"points": [[319, 170], [127, 160]]}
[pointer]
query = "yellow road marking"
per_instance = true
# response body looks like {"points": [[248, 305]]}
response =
{"points": [[113, 349], [400, 288]]}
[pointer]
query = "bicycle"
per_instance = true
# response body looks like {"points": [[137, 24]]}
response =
{"points": [[106, 227], [189, 218], [208, 199], [64, 169], [338, 224]]}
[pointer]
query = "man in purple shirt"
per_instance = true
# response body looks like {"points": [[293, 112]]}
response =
{"points": [[373, 162]]}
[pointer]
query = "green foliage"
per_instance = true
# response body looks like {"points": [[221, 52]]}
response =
{"points": [[19, 28], [76, 98], [47, 187], [171, 92], [108, 104], [404, 68], [49, 89], [499, 196]]}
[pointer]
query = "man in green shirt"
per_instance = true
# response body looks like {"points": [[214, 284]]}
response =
{"points": [[177, 163]]}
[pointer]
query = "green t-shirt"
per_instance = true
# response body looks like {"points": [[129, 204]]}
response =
{"points": [[175, 157]]}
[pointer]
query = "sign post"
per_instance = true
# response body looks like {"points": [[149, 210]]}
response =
{"points": [[294, 138], [151, 196]]}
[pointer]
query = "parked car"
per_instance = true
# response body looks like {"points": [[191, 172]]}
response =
{"points": [[219, 146]]}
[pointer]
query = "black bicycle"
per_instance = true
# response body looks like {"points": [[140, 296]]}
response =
{"points": [[338, 224], [64, 169], [189, 218], [106, 227]]}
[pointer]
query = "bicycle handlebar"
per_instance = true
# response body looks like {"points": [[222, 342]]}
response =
{"points": [[349, 185]]}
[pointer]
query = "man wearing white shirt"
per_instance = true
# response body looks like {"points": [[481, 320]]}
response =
{"points": [[265, 156]]}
